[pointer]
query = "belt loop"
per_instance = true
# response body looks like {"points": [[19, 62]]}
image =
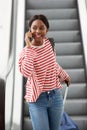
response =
{"points": [[54, 91]]}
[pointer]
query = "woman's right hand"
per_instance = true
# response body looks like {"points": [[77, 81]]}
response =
{"points": [[68, 81], [28, 36]]}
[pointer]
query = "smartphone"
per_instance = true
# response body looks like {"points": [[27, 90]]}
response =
{"points": [[30, 38]]}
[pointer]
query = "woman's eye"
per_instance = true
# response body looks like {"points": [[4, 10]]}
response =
{"points": [[34, 28], [42, 28]]}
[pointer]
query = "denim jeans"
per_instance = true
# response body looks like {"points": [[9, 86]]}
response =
{"points": [[46, 112]]}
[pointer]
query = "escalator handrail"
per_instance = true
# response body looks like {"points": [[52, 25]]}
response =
{"points": [[18, 88], [10, 64], [12, 45]]}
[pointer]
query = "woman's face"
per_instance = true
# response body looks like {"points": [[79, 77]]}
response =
{"points": [[38, 30]]}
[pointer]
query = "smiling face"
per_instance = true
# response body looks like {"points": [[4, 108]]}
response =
{"points": [[38, 30]]}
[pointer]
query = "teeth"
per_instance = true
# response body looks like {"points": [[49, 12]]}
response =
{"points": [[38, 35]]}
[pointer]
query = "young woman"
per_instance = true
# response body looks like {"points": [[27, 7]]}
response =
{"points": [[38, 63]]}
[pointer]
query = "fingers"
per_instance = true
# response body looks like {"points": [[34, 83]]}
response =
{"points": [[67, 81], [28, 35], [27, 41]]}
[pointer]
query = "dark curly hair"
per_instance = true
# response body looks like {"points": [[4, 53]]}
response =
{"points": [[40, 17]]}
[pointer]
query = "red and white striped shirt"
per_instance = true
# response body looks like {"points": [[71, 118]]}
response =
{"points": [[39, 65]]}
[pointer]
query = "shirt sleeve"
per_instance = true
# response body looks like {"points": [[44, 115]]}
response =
{"points": [[61, 72], [26, 60]]}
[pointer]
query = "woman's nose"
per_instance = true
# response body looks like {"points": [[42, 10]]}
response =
{"points": [[38, 30]]}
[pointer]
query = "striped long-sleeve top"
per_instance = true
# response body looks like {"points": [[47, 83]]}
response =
{"points": [[40, 67]]}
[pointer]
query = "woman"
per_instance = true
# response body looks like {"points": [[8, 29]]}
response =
{"points": [[38, 63]]}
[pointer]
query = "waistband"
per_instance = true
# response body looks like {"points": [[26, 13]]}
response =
{"points": [[52, 91]]}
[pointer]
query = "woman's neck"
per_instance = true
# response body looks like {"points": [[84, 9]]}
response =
{"points": [[34, 43]]}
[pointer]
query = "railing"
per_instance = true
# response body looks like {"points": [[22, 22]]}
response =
{"points": [[18, 86], [9, 71], [5, 22], [6, 59], [13, 91], [82, 7], [86, 4]]}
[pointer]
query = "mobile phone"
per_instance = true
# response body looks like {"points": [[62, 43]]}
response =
{"points": [[30, 38]]}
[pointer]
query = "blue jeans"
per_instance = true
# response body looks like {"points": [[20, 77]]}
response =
{"points": [[46, 112]]}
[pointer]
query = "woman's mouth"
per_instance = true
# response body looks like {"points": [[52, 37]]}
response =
{"points": [[38, 36]]}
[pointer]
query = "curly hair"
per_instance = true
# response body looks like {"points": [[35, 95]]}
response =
{"points": [[41, 17]]}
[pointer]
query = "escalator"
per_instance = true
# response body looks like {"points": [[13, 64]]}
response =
{"points": [[65, 28], [5, 52]]}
